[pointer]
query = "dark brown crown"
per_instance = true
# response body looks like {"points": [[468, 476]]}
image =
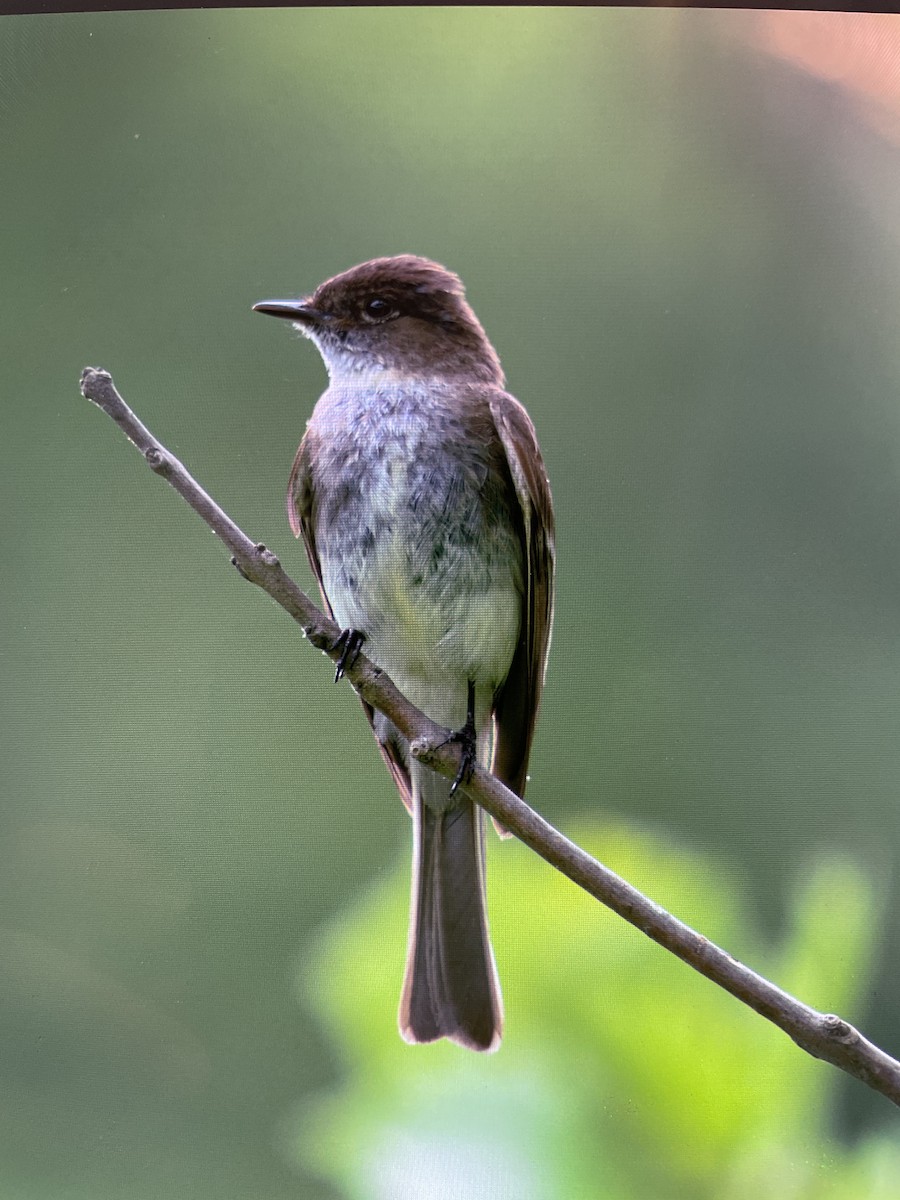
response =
{"points": [[416, 286]]}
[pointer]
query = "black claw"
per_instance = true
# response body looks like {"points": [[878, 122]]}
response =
{"points": [[349, 642], [467, 738], [467, 760]]}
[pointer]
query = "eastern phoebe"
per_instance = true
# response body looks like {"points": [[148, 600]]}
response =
{"points": [[423, 501]]}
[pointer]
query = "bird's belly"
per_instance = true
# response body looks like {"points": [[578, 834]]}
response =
{"points": [[423, 620]]}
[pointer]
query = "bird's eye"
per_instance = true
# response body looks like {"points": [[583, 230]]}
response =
{"points": [[376, 308]]}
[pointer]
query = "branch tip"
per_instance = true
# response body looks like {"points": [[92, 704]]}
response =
{"points": [[96, 384], [92, 375]]}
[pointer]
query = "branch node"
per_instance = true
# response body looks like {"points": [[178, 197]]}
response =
{"points": [[240, 570], [422, 748], [701, 947], [156, 460], [314, 635], [836, 1029], [266, 556]]}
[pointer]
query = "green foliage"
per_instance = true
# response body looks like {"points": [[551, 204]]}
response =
{"points": [[623, 1073]]}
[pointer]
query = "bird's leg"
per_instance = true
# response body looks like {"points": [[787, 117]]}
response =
{"points": [[349, 642], [467, 740]]}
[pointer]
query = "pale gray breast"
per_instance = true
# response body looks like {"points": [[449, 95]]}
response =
{"points": [[417, 525]]}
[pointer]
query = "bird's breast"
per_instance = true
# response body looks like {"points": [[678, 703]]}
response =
{"points": [[416, 529]]}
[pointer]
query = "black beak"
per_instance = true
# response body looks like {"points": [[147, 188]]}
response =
{"points": [[291, 310]]}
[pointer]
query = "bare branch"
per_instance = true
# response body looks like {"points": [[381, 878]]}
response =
{"points": [[822, 1035]]}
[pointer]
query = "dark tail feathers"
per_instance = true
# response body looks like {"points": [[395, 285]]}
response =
{"points": [[451, 987]]}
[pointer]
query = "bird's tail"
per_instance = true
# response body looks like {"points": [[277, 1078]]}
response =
{"points": [[451, 988]]}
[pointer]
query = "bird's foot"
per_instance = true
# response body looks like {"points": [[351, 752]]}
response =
{"points": [[467, 739], [349, 642]]}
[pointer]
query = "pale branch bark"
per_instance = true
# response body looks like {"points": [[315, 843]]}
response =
{"points": [[822, 1035]]}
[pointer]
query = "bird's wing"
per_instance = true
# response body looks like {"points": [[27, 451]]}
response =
{"points": [[301, 512], [301, 505], [516, 703]]}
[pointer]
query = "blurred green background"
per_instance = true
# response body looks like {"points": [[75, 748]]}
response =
{"points": [[684, 243]]}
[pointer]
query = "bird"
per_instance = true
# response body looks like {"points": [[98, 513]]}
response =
{"points": [[421, 496]]}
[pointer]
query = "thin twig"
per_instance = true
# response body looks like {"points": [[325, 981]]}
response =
{"points": [[822, 1035]]}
